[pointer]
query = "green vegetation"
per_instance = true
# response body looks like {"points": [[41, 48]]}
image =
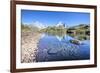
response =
{"points": [[55, 30], [29, 28], [80, 29], [25, 28], [80, 32]]}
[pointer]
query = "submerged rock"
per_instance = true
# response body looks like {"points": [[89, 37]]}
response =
{"points": [[77, 42], [53, 51]]}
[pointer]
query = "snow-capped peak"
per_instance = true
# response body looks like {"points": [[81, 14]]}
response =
{"points": [[60, 24]]}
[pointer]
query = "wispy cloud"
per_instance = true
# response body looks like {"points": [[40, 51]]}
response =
{"points": [[38, 24]]}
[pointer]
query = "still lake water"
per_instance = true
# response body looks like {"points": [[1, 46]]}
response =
{"points": [[55, 48]]}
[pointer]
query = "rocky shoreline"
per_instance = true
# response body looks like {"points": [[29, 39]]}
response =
{"points": [[29, 42]]}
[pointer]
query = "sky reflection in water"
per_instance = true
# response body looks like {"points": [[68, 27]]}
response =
{"points": [[55, 48]]}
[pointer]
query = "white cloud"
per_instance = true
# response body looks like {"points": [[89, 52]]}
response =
{"points": [[38, 24]]}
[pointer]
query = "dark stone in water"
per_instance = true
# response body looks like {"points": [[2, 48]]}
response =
{"points": [[77, 42], [53, 51]]}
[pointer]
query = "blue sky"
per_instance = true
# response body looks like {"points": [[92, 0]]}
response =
{"points": [[50, 18]]}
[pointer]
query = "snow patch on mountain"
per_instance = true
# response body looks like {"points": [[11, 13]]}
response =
{"points": [[60, 23]]}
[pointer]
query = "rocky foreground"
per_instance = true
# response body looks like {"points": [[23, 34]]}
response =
{"points": [[29, 46]]}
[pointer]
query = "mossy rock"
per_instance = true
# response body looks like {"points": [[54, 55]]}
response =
{"points": [[77, 42]]}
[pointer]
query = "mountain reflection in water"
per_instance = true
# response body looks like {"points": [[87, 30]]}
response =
{"points": [[55, 48]]}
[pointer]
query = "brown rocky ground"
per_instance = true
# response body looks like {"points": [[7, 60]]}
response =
{"points": [[29, 48]]}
